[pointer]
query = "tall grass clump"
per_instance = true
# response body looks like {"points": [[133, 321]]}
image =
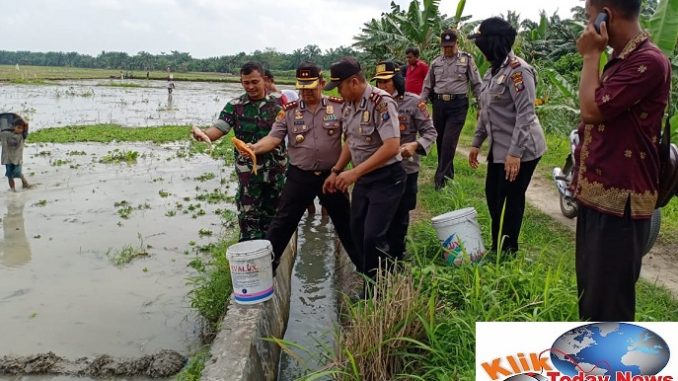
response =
{"points": [[379, 332]]}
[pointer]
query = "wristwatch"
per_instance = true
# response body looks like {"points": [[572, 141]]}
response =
{"points": [[335, 171]]}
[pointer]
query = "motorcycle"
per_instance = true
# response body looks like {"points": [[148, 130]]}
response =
{"points": [[568, 205]]}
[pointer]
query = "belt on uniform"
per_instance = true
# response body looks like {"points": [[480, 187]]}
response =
{"points": [[450, 97], [311, 172]]}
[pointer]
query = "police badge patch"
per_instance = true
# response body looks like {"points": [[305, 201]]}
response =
{"points": [[423, 109], [517, 78], [280, 117]]}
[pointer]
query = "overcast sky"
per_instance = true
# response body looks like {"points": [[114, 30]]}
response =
{"points": [[209, 28]]}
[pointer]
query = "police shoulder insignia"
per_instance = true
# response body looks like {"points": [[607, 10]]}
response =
{"points": [[517, 78], [375, 98], [515, 63], [290, 105], [281, 116], [382, 106], [422, 107], [336, 99]]}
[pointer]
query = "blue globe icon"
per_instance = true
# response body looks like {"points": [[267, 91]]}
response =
{"points": [[608, 348]]}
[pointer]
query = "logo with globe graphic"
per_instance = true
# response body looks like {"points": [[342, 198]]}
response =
{"points": [[609, 348]]}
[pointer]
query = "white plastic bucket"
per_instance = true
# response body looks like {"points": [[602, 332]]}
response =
{"points": [[459, 233], [251, 271]]}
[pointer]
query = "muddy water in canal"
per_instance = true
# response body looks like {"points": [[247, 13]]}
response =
{"points": [[60, 287]]}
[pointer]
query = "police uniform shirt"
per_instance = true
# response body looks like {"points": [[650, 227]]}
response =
{"points": [[414, 119], [314, 137], [452, 76], [507, 113], [368, 122]]}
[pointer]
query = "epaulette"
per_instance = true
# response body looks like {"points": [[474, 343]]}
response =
{"points": [[466, 54], [290, 105], [514, 63], [336, 99], [375, 98]]}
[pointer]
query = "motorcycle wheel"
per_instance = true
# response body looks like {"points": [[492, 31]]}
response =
{"points": [[569, 208], [655, 224]]}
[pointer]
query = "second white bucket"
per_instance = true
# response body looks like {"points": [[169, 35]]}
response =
{"points": [[251, 271], [459, 233]]}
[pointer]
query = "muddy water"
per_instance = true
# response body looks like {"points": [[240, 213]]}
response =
{"points": [[61, 103], [60, 289], [313, 307]]}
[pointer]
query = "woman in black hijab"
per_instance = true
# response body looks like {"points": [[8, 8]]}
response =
{"points": [[508, 119]]}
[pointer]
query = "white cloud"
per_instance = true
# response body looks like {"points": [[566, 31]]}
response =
{"points": [[207, 28]]}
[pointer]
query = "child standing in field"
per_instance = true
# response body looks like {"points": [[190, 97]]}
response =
{"points": [[12, 151]]}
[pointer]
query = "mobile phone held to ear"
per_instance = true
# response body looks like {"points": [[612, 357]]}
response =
{"points": [[602, 17]]}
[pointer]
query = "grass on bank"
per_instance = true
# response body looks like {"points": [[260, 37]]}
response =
{"points": [[557, 141], [538, 285]]}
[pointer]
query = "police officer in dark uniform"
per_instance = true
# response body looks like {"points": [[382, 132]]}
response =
{"points": [[447, 84], [370, 122], [313, 129], [417, 135]]}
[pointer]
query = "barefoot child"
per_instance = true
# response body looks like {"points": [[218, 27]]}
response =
{"points": [[12, 151]]}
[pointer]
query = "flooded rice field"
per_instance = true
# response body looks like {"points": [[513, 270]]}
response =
{"points": [[94, 259], [132, 103]]}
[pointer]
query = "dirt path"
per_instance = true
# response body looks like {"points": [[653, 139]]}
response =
{"points": [[660, 265]]}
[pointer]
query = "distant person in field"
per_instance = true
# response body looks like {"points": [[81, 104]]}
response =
{"points": [[12, 141]]}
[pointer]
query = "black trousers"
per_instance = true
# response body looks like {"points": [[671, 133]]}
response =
{"points": [[300, 189], [373, 206], [499, 190], [401, 221], [609, 254], [448, 119]]}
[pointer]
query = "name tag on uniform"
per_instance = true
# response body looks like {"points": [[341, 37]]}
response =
{"points": [[298, 122], [366, 116]]}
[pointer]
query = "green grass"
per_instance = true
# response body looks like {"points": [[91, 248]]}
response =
{"points": [[119, 156], [558, 148], [107, 133], [538, 285]]}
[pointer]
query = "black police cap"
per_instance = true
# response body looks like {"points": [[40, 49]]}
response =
{"points": [[341, 70]]}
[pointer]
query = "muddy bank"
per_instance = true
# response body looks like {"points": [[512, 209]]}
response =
{"points": [[159, 365]]}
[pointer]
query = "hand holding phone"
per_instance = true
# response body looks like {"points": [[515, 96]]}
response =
{"points": [[603, 16]]}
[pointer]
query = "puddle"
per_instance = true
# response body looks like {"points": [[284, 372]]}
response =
{"points": [[62, 103], [60, 290], [313, 303]]}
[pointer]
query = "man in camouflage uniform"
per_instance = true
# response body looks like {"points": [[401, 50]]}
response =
{"points": [[251, 116], [447, 83], [417, 135]]}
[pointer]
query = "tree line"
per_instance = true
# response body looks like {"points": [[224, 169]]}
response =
{"points": [[179, 61]]}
